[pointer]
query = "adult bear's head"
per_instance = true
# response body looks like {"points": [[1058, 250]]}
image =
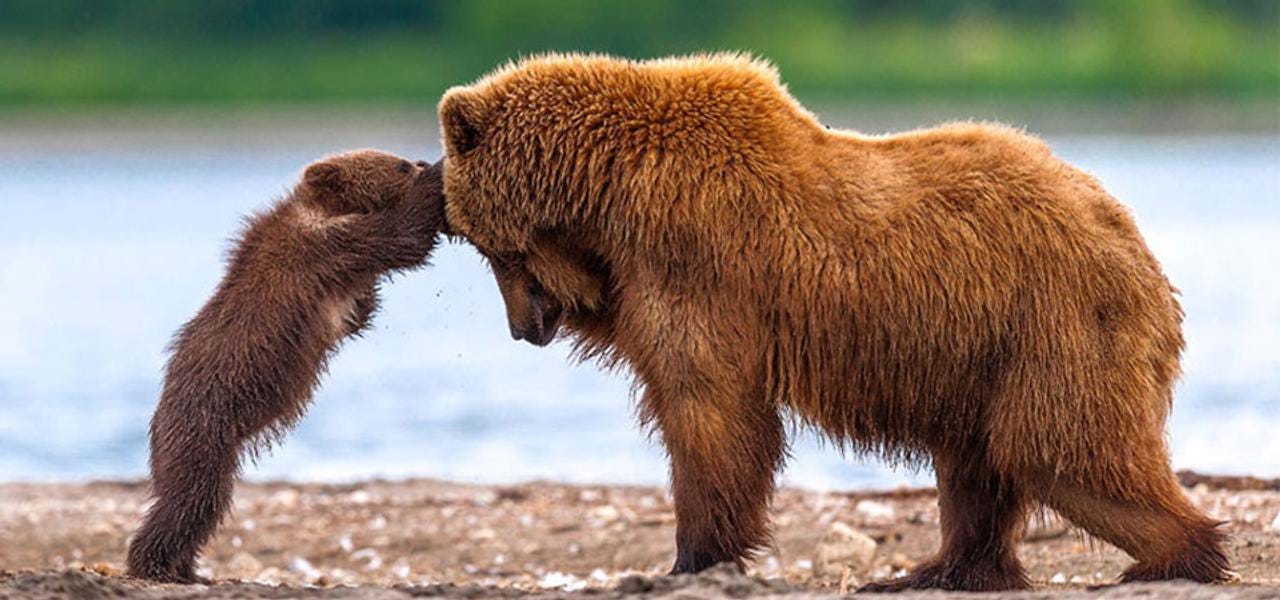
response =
{"points": [[566, 170], [558, 280]]}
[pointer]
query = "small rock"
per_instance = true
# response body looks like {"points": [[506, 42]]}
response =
{"points": [[374, 560], [635, 584], [512, 494], [243, 566], [339, 577], [606, 513], [359, 497], [483, 534], [270, 576], [106, 569], [843, 547], [1275, 525], [287, 498], [1058, 578], [875, 511], [303, 567], [561, 581], [401, 570]]}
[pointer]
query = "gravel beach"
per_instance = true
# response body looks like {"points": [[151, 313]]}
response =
{"points": [[380, 539]]}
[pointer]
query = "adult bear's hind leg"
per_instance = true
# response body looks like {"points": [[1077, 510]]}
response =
{"points": [[1152, 520], [724, 453]]}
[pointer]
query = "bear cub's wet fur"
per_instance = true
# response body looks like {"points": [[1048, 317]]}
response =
{"points": [[303, 277]]}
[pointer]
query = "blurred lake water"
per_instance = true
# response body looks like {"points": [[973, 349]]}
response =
{"points": [[113, 235]]}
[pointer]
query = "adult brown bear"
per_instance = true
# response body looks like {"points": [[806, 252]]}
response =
{"points": [[955, 295]]}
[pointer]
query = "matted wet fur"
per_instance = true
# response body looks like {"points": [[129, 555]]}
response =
{"points": [[956, 295], [303, 277]]}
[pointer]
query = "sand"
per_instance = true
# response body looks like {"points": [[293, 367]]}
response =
{"points": [[413, 538]]}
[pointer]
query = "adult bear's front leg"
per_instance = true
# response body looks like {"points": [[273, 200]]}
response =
{"points": [[725, 449]]}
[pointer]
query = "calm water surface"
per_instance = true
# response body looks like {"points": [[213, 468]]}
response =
{"points": [[104, 251]]}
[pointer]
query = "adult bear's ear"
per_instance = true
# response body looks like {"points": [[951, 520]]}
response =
{"points": [[462, 117], [325, 175]]}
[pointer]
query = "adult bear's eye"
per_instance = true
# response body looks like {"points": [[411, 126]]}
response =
{"points": [[508, 259], [405, 167]]}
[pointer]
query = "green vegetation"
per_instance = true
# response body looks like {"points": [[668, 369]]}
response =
{"points": [[89, 52]]}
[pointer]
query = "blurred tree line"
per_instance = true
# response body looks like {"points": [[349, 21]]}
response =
{"points": [[87, 51]]}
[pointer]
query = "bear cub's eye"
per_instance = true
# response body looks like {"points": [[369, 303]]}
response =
{"points": [[405, 167]]}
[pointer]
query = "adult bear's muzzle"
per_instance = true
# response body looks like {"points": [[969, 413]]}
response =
{"points": [[533, 314]]}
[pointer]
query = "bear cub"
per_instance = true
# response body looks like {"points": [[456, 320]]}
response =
{"points": [[303, 277]]}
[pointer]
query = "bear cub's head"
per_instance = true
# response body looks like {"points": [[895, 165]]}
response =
{"points": [[383, 211], [367, 181]]}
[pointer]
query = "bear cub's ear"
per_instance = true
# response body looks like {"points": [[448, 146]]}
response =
{"points": [[326, 175], [462, 117]]}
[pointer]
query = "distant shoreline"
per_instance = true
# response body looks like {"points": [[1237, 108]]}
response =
{"points": [[382, 539], [1189, 478], [279, 124]]}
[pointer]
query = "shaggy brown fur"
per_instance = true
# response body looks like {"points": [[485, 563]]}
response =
{"points": [[303, 277], [955, 295]]}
